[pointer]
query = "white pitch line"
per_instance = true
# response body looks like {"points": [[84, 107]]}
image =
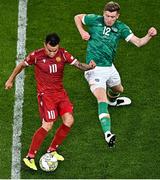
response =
{"points": [[19, 92]]}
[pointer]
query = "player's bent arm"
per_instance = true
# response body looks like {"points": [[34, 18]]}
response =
{"points": [[144, 40], [83, 66], [79, 24], [17, 70], [78, 21], [140, 41]]}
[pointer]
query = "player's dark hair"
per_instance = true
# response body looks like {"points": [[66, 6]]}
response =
{"points": [[52, 39], [112, 6]]}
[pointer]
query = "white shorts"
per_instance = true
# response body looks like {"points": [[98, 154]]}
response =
{"points": [[102, 77]]}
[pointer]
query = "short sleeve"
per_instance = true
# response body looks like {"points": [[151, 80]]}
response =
{"points": [[89, 19], [30, 59], [126, 33], [68, 57]]}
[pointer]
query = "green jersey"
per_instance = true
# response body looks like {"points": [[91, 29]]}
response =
{"points": [[103, 42]]}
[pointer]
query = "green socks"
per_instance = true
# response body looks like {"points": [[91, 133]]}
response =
{"points": [[104, 116]]}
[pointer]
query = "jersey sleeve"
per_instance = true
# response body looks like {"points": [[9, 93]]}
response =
{"points": [[30, 59], [89, 19], [68, 57], [126, 32]]}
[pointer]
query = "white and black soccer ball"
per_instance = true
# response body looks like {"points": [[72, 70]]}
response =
{"points": [[48, 162]]}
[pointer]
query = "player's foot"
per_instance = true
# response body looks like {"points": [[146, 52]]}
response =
{"points": [[120, 101], [30, 163], [57, 156], [110, 138]]}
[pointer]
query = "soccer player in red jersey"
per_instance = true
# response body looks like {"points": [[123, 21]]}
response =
{"points": [[53, 100]]}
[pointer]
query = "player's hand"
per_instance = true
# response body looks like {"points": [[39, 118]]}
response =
{"points": [[152, 32], [92, 64], [85, 35], [8, 85]]}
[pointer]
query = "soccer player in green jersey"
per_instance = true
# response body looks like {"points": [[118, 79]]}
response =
{"points": [[104, 33]]}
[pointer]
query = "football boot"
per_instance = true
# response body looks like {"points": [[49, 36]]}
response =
{"points": [[30, 163]]}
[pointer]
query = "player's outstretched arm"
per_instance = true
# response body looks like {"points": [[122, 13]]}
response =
{"points": [[78, 21], [85, 67], [17, 70], [144, 40]]}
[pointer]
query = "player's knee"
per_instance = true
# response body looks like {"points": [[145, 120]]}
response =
{"points": [[47, 125], [100, 94], [69, 122], [101, 98], [68, 119]]}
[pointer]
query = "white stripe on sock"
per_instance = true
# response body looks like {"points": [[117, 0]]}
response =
{"points": [[102, 115]]}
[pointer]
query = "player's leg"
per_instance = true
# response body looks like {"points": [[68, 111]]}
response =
{"points": [[48, 114], [65, 109], [37, 140], [113, 93], [61, 134], [104, 116], [97, 81], [114, 90]]}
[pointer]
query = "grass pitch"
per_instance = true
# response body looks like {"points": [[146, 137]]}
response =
{"points": [[137, 127]]}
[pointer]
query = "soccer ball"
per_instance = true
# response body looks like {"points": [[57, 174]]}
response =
{"points": [[48, 162]]}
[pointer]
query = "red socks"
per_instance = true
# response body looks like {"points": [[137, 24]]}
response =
{"points": [[60, 135], [40, 135], [37, 140]]}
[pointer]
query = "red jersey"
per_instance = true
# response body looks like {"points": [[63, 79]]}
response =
{"points": [[49, 71]]}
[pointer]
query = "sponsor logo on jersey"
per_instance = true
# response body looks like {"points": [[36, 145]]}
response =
{"points": [[58, 59]]}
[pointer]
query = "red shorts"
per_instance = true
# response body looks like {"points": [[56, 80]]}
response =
{"points": [[52, 105]]}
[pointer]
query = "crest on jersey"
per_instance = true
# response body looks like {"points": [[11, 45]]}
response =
{"points": [[114, 29], [58, 59]]}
